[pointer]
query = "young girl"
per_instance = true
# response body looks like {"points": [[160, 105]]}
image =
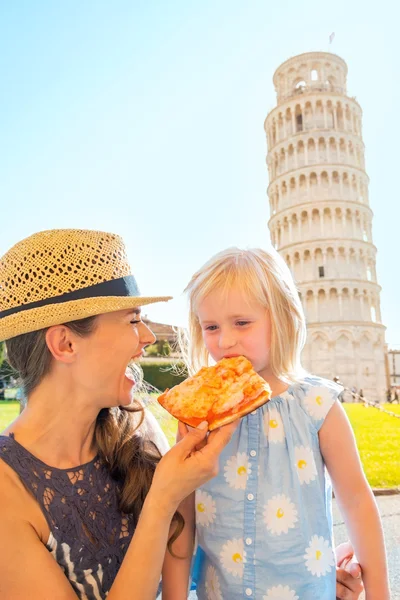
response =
{"points": [[265, 522]]}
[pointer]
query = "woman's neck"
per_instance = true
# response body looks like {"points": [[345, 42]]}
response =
{"points": [[57, 426]]}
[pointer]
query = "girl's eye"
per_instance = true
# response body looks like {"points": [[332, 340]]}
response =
{"points": [[211, 328], [136, 322], [242, 323]]}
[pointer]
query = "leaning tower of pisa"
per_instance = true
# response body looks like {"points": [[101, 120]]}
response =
{"points": [[321, 222]]}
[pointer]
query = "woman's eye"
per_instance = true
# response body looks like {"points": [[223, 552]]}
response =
{"points": [[136, 322]]}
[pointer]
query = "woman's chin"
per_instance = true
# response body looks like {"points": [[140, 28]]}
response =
{"points": [[125, 401], [126, 395]]}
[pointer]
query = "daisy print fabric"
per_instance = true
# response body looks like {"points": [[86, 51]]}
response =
{"points": [[264, 522], [213, 588], [236, 471], [232, 557], [273, 427], [318, 401], [280, 592], [280, 514], [319, 556], [205, 508], [305, 464]]}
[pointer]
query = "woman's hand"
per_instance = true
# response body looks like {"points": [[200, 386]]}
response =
{"points": [[348, 573], [189, 464]]}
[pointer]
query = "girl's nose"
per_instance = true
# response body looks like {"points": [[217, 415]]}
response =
{"points": [[226, 340]]}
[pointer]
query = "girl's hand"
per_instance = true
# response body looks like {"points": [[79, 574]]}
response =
{"points": [[189, 464]]}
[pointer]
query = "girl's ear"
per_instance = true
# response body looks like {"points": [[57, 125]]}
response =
{"points": [[61, 343]]}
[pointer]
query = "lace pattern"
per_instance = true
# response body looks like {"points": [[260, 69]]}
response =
{"points": [[89, 535]]}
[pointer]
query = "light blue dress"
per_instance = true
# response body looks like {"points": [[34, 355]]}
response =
{"points": [[265, 523]]}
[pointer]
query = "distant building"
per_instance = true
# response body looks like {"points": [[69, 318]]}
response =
{"points": [[394, 368], [161, 331]]}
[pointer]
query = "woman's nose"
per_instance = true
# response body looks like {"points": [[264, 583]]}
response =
{"points": [[146, 336]]}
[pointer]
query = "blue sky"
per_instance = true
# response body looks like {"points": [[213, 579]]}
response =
{"points": [[146, 118]]}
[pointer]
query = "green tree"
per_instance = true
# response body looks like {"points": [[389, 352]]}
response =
{"points": [[5, 369], [2, 352]]}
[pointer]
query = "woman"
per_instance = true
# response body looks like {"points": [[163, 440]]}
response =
{"points": [[82, 480]]}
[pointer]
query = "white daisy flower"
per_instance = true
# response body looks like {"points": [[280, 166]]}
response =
{"points": [[213, 588], [280, 514], [237, 470], [273, 426], [279, 592], [233, 557], [319, 556], [305, 464], [205, 508], [318, 401]]}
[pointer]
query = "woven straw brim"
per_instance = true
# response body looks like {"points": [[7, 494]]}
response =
{"points": [[55, 314]]}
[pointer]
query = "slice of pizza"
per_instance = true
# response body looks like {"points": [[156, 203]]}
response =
{"points": [[218, 394]]}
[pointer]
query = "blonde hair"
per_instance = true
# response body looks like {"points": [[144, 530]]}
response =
{"points": [[263, 277]]}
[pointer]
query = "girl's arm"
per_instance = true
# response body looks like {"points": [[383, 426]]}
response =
{"points": [[355, 501], [176, 569]]}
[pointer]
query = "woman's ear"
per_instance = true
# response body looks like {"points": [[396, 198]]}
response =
{"points": [[61, 342]]}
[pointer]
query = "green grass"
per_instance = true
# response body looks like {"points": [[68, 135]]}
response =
{"points": [[8, 412], [393, 408], [168, 424], [377, 435], [378, 441]]}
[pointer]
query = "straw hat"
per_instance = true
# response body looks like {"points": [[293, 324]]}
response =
{"points": [[61, 275]]}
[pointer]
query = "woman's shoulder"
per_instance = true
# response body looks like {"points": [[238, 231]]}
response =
{"points": [[11, 485], [17, 504]]}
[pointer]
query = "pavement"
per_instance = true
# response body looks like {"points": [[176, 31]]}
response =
{"points": [[389, 508]]}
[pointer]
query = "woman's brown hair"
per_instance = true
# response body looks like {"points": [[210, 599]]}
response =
{"points": [[130, 456]]}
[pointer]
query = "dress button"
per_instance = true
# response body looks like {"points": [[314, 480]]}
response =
{"points": [[249, 541], [249, 592], [253, 453], [250, 496]]}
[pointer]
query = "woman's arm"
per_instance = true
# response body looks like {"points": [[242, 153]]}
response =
{"points": [[355, 501], [27, 569]]}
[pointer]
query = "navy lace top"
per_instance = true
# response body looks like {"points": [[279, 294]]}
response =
{"points": [[88, 534]]}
